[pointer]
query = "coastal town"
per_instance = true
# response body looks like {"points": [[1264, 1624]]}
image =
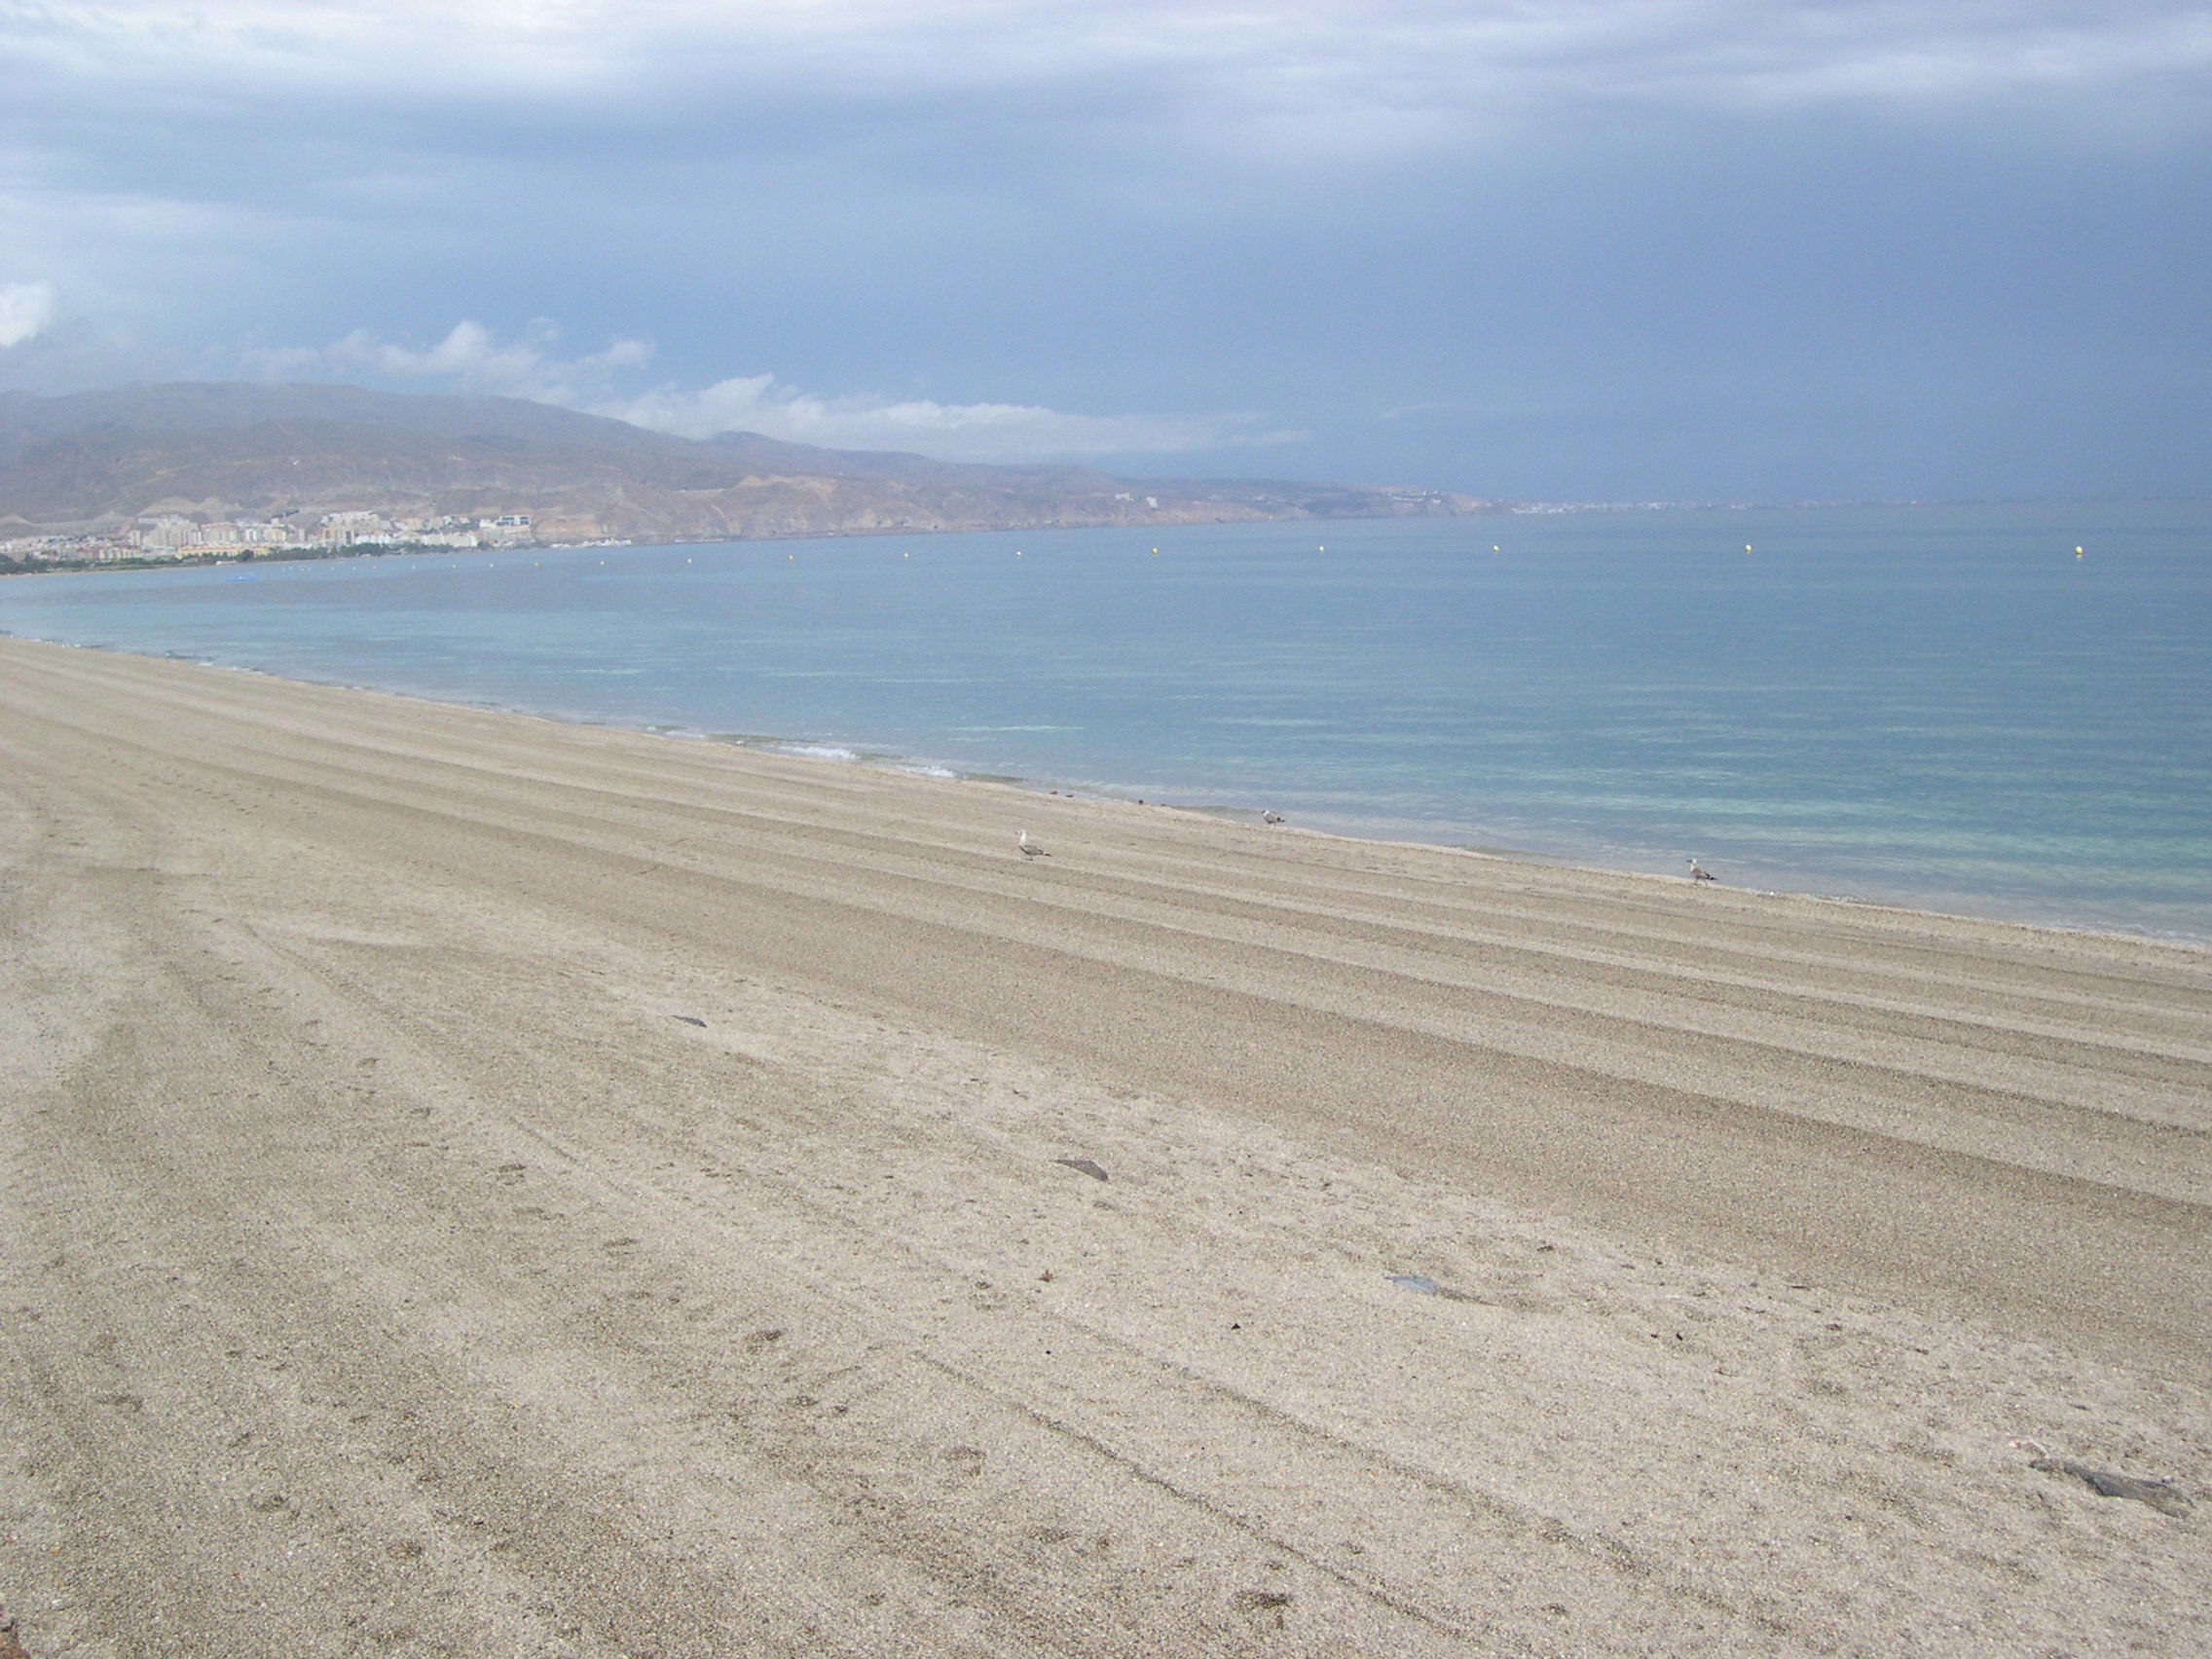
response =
{"points": [[168, 537], [205, 472]]}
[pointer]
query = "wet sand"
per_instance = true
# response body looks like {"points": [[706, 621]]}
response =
{"points": [[479, 1186]]}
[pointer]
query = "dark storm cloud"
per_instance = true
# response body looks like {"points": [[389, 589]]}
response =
{"points": [[1586, 249]]}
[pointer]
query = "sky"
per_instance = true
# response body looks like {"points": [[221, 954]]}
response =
{"points": [[1543, 250]]}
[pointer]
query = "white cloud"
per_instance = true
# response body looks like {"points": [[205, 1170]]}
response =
{"points": [[471, 358], [27, 310], [951, 431], [166, 154], [1307, 71]]}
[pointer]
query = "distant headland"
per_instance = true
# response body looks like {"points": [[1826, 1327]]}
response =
{"points": [[192, 470]]}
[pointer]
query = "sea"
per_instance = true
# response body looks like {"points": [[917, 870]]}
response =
{"points": [[2000, 710]]}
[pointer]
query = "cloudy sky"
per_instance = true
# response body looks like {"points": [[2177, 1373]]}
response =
{"points": [[1561, 249]]}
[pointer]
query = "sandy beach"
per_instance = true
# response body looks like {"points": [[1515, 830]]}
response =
{"points": [[478, 1185]]}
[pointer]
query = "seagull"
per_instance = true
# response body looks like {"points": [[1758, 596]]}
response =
{"points": [[1698, 873], [1271, 818], [1029, 849]]}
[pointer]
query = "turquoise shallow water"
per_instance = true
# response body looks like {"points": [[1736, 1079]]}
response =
{"points": [[1938, 706]]}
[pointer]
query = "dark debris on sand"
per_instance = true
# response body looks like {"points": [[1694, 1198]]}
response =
{"points": [[2163, 1496]]}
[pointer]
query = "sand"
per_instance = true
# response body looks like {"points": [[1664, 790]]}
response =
{"points": [[479, 1186]]}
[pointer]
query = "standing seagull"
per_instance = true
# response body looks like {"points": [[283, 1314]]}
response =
{"points": [[1029, 849], [1698, 873]]}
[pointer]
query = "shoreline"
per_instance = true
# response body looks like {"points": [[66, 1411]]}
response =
{"points": [[837, 751], [489, 1183]]}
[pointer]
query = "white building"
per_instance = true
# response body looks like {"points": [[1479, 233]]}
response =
{"points": [[348, 530], [169, 530]]}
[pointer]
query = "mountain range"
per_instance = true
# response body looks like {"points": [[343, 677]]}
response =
{"points": [[92, 462]]}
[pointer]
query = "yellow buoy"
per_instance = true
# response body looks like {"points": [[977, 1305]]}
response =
{"points": [[2077, 552]]}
